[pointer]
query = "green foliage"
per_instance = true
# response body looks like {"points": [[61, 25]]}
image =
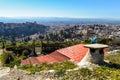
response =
{"points": [[24, 67], [98, 73], [113, 58], [110, 71], [6, 58], [30, 68], [48, 48], [55, 66], [66, 65], [21, 44], [104, 41], [20, 50], [8, 44], [105, 72], [71, 43], [81, 74], [13, 63], [85, 72], [60, 72], [2, 58], [2, 40], [87, 42], [37, 44]]}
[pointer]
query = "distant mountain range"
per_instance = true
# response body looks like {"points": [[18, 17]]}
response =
{"points": [[59, 20]]}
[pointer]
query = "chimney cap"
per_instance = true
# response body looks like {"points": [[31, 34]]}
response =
{"points": [[96, 46]]}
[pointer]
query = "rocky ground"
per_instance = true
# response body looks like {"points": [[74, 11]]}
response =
{"points": [[15, 74], [7, 73]]}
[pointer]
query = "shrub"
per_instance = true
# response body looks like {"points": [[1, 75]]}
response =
{"points": [[44, 66], [9, 59], [6, 58], [13, 63], [111, 71], [60, 72], [85, 72], [113, 58], [24, 67]]}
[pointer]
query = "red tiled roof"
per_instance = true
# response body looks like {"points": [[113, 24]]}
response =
{"points": [[30, 60], [74, 53], [53, 57]]}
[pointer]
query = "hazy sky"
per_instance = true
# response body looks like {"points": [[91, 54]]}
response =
{"points": [[60, 8]]}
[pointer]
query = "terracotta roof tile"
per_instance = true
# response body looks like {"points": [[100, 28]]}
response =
{"points": [[46, 58], [58, 56], [74, 53]]}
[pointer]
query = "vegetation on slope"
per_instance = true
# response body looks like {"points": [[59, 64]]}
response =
{"points": [[59, 67], [110, 71], [98, 73], [113, 58]]}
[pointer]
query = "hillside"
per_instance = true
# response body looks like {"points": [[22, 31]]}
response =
{"points": [[21, 29], [111, 71]]}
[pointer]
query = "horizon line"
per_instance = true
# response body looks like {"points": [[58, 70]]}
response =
{"points": [[57, 17]]}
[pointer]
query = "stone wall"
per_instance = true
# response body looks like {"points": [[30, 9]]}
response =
{"points": [[96, 56], [93, 56]]}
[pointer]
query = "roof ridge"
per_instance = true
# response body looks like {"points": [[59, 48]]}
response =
{"points": [[63, 54]]}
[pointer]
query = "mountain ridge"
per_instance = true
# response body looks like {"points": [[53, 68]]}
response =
{"points": [[57, 19]]}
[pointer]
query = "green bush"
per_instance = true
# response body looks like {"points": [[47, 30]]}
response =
{"points": [[85, 72], [6, 58], [105, 72], [104, 41], [87, 42], [111, 71], [37, 44], [24, 67], [54, 66], [113, 58], [60, 72], [13, 63], [8, 45], [98, 73]]}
